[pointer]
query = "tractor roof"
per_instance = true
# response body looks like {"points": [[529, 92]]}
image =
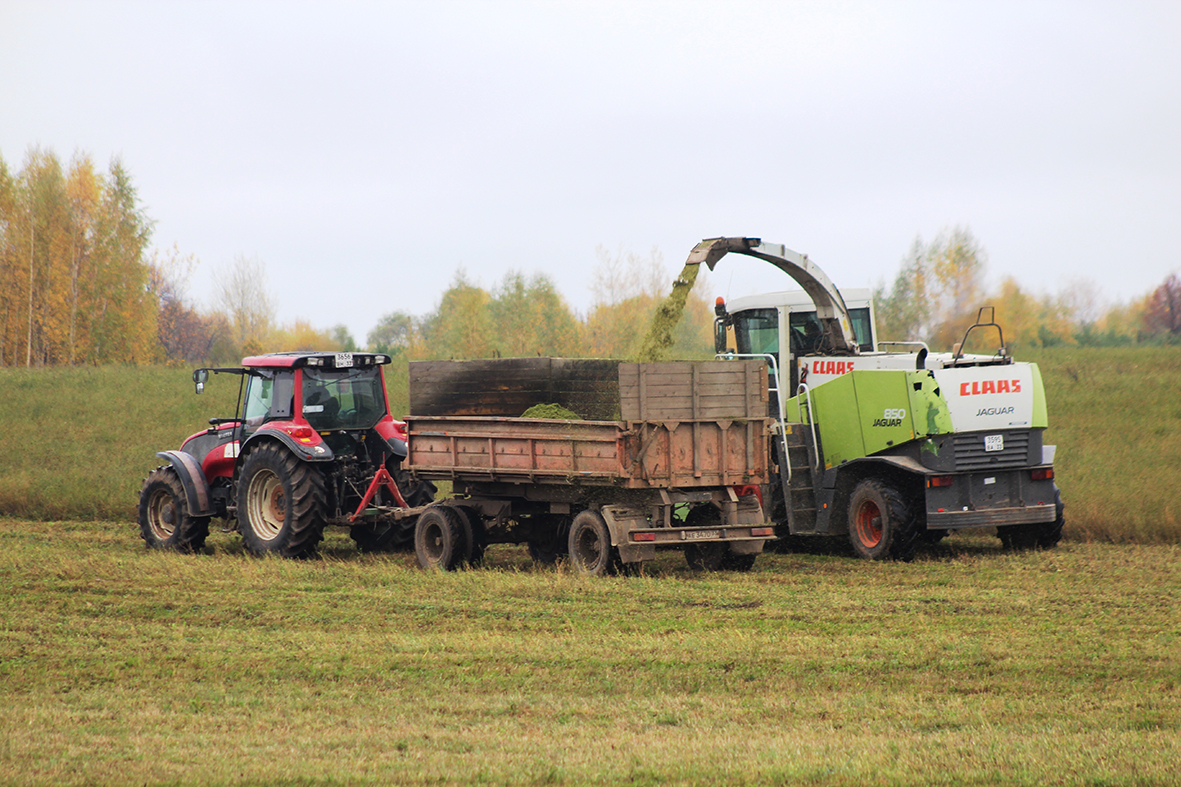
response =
{"points": [[325, 359]]}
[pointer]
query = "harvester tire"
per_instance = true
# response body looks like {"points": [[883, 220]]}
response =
{"points": [[438, 538], [590, 547], [164, 520], [881, 523], [398, 535], [282, 503], [1043, 536]]}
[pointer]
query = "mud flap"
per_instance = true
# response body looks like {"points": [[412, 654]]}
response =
{"points": [[621, 520]]}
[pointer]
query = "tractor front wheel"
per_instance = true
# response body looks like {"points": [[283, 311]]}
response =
{"points": [[881, 523], [281, 503], [164, 520]]}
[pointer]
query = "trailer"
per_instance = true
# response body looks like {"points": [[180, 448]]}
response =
{"points": [[663, 456]]}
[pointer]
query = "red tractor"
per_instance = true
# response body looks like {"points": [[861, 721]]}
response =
{"points": [[313, 444]]}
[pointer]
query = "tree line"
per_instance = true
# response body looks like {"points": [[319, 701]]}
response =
{"points": [[940, 286], [79, 284]]}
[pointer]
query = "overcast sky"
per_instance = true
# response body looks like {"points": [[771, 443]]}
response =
{"points": [[367, 151]]}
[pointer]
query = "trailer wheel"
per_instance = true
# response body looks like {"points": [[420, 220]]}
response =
{"points": [[471, 530], [164, 520], [590, 545], [438, 538], [881, 524], [282, 503], [710, 556], [739, 562]]}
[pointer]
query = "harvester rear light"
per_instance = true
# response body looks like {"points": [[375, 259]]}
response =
{"points": [[643, 536], [762, 531], [1042, 474], [940, 480]]}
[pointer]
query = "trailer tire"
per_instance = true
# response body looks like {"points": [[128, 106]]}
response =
{"points": [[471, 528], [881, 522], [709, 556], [282, 503], [438, 538], [164, 520], [739, 562], [589, 544]]}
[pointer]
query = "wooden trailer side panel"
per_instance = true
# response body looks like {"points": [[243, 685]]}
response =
{"points": [[684, 424]]}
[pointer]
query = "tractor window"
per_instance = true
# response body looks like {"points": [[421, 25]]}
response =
{"points": [[343, 398], [260, 392], [268, 396], [756, 331]]}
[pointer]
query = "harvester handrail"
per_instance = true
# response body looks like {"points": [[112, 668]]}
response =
{"points": [[806, 392], [772, 387]]}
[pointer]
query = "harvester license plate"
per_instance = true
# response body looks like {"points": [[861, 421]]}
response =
{"points": [[994, 442], [344, 360], [691, 535]]}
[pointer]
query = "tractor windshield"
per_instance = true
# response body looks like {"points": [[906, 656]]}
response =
{"points": [[343, 398]]}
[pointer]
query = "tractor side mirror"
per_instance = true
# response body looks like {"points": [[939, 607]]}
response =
{"points": [[200, 377]]}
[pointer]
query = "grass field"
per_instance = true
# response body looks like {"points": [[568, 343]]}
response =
{"points": [[967, 666], [76, 443]]}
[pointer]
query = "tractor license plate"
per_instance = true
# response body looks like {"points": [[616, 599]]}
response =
{"points": [[344, 360], [693, 535], [994, 442]]}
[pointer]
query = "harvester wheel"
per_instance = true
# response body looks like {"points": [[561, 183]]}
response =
{"points": [[1045, 535], [281, 503], [589, 544], [881, 523], [438, 538], [164, 520]]}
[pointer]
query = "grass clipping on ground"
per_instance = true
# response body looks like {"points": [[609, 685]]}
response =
{"points": [[668, 315]]}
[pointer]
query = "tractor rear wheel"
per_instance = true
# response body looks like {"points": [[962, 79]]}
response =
{"points": [[881, 523], [589, 545], [438, 538], [282, 503], [164, 520]]}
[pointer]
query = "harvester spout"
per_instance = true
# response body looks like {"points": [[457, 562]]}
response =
{"points": [[830, 306]]}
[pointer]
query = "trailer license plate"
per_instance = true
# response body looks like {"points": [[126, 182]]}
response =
{"points": [[994, 442], [692, 535]]}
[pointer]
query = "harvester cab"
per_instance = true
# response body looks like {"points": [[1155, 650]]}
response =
{"points": [[892, 446]]}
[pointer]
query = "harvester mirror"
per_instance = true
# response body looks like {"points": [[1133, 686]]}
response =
{"points": [[200, 377]]}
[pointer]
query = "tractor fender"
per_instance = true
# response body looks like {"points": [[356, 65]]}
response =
{"points": [[197, 492], [397, 447], [307, 453]]}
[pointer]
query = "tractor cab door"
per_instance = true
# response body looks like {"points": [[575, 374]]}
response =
{"points": [[270, 396]]}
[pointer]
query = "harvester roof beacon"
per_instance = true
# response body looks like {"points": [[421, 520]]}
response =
{"points": [[890, 448]]}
